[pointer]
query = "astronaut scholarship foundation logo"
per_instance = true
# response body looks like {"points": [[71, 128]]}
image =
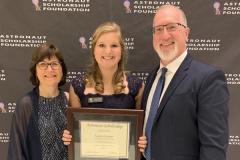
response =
{"points": [[4, 137], [216, 6], [127, 4], [13, 40], [204, 44], [62, 5], [141, 75], [2, 75], [226, 8], [144, 6], [36, 5], [234, 140], [7, 107], [73, 74], [2, 108], [129, 43], [233, 78], [85, 43], [82, 42]]}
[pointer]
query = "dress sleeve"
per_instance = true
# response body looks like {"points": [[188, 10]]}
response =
{"points": [[17, 149], [134, 84], [78, 85]]}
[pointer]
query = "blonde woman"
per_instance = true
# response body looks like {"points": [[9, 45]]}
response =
{"points": [[106, 85]]}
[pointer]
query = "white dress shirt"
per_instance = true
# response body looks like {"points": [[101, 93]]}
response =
{"points": [[172, 68]]}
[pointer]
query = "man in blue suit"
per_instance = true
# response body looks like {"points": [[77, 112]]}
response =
{"points": [[191, 121]]}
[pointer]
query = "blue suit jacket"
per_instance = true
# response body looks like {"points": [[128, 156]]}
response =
{"points": [[192, 119]]}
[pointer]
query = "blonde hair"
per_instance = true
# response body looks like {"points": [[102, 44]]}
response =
{"points": [[94, 75]]}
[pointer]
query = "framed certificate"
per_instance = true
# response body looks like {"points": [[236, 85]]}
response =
{"points": [[100, 134]]}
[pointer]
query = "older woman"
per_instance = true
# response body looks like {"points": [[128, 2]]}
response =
{"points": [[39, 118]]}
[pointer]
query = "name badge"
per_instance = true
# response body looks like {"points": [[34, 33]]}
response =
{"points": [[95, 99]]}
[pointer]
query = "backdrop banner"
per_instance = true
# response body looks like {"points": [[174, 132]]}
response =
{"points": [[25, 24]]}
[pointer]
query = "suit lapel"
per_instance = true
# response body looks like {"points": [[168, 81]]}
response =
{"points": [[176, 80]]}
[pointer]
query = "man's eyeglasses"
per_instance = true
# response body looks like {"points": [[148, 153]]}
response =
{"points": [[44, 65], [169, 27]]}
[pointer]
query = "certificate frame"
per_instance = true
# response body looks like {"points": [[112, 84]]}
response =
{"points": [[76, 118]]}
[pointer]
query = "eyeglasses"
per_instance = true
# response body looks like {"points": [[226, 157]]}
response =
{"points": [[44, 65], [170, 27]]}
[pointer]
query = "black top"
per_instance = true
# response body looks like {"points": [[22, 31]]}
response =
{"points": [[37, 128], [115, 101]]}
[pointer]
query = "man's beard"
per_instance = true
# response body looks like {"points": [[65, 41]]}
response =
{"points": [[168, 56]]}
